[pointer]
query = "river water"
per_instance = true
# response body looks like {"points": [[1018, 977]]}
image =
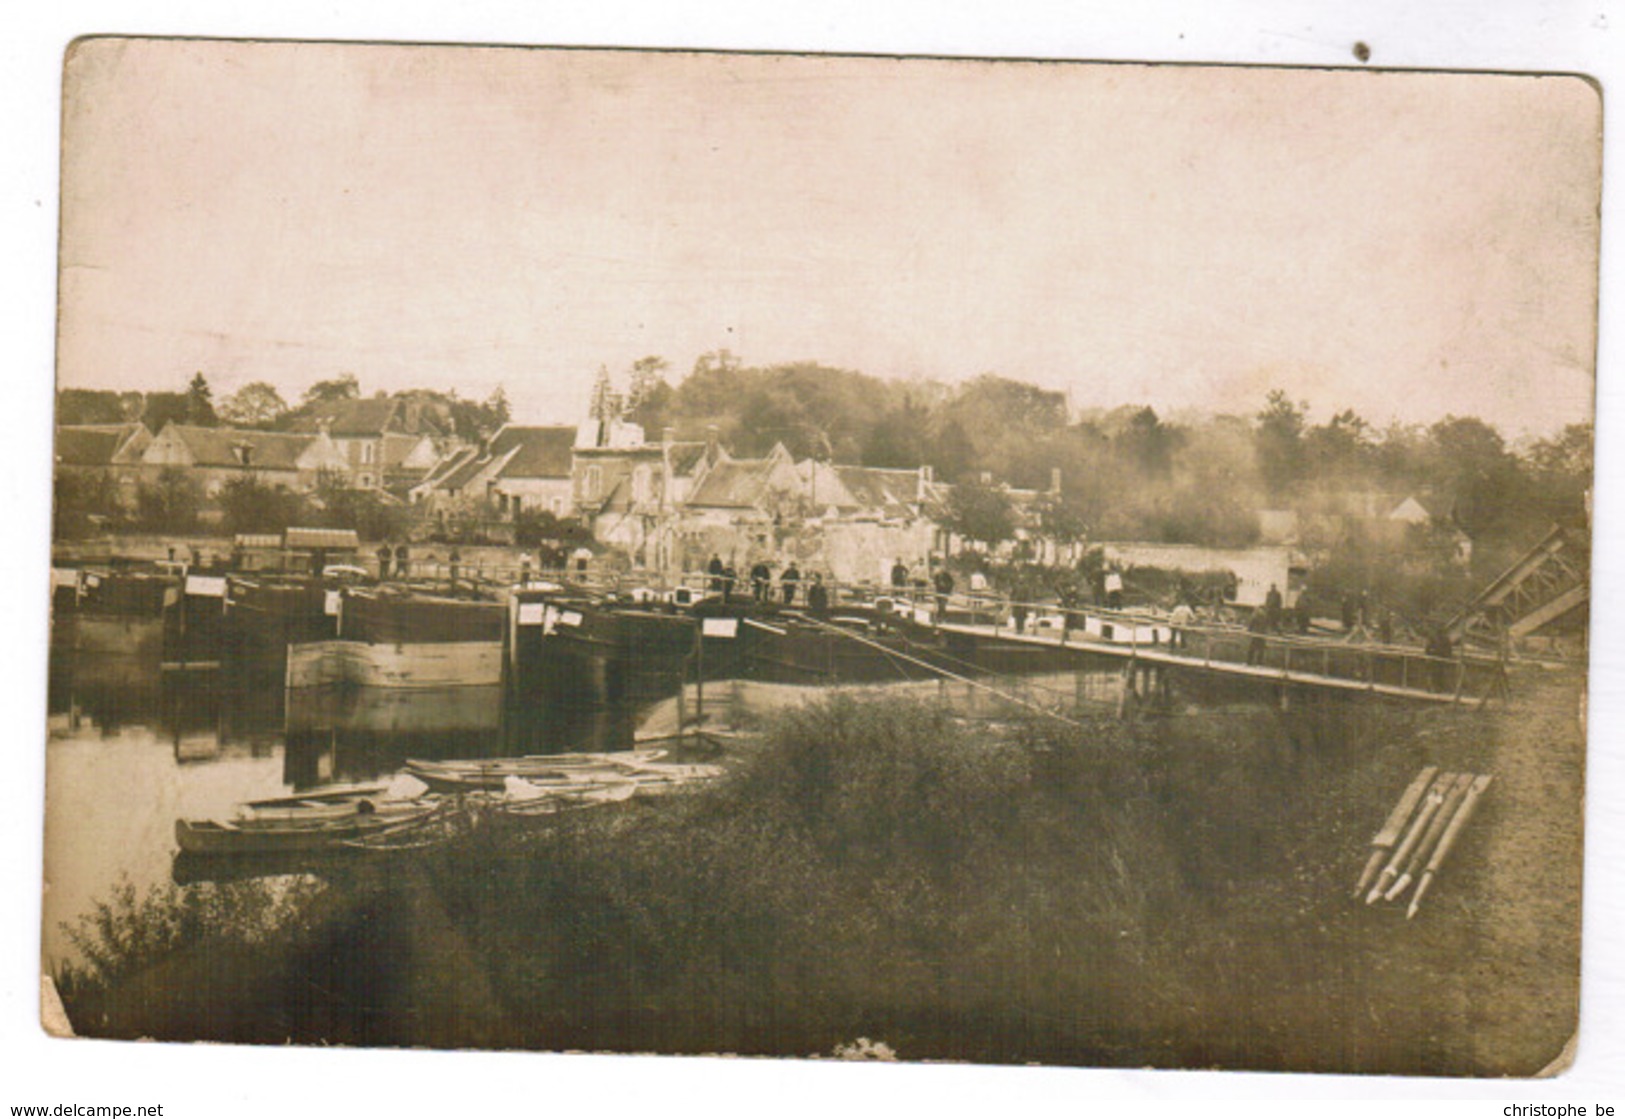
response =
{"points": [[132, 747]]}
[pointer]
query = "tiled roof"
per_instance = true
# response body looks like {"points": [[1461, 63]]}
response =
{"points": [[876, 488], [89, 446], [351, 418], [540, 452], [218, 446], [736, 484], [686, 458], [456, 470]]}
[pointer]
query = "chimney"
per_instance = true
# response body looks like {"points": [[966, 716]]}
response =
{"points": [[923, 484], [1055, 480], [710, 442], [668, 436]]}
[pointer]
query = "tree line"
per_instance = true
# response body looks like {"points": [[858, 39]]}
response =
{"points": [[260, 406], [1128, 473]]}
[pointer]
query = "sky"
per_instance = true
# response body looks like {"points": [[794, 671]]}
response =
{"points": [[1406, 244]]}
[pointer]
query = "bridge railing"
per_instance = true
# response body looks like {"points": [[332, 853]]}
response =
{"points": [[1206, 640]]}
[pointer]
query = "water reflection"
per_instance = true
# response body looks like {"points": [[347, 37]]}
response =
{"points": [[133, 745]]}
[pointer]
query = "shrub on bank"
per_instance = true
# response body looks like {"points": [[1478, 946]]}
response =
{"points": [[876, 869]]}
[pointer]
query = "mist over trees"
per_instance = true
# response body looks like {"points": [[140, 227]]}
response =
{"points": [[1126, 473]]}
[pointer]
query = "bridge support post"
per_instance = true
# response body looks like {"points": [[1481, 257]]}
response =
{"points": [[1129, 698]]}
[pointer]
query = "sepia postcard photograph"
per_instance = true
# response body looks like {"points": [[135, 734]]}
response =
{"points": [[811, 555]]}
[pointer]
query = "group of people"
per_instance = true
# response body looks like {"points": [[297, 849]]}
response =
{"points": [[724, 578]]}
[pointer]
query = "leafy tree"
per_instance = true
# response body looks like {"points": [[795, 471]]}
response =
{"points": [[200, 403], [1560, 469], [1146, 443], [648, 374], [343, 387], [159, 409], [648, 396], [1472, 465], [952, 454], [1063, 517], [653, 411], [717, 361], [1279, 438], [372, 515], [84, 504], [257, 404], [1339, 452], [1010, 405], [1569, 453], [475, 421], [550, 536], [981, 512], [171, 504], [96, 406], [899, 437], [250, 505]]}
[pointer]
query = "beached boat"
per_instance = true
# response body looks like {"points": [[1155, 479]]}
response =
{"points": [[303, 835], [491, 773], [640, 772]]}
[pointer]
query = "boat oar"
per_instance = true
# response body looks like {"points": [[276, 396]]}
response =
{"points": [[1430, 838], [1448, 840], [1413, 836], [1384, 840]]}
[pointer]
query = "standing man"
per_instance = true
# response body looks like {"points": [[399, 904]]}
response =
{"points": [[761, 577], [1272, 608], [788, 582], [818, 596], [1114, 589], [714, 569], [1258, 625], [383, 562], [1180, 619], [899, 577], [943, 581]]}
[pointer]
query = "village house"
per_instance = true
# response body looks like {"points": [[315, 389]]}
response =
{"points": [[867, 518], [111, 451], [628, 491], [384, 441], [216, 455], [741, 510], [519, 469], [1432, 513]]}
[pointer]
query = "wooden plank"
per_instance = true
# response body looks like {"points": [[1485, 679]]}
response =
{"points": [[1430, 838], [1448, 840], [1388, 834], [1413, 836]]}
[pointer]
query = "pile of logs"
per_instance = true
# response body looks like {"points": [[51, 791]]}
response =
{"points": [[1419, 834]]}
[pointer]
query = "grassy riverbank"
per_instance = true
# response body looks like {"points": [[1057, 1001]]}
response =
{"points": [[1175, 892]]}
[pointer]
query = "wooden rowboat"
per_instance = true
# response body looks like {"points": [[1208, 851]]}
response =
{"points": [[267, 837], [490, 773]]}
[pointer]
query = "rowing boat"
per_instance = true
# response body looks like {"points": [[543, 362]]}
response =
{"points": [[236, 837], [490, 773]]}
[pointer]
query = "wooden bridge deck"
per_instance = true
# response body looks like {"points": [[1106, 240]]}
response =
{"points": [[1208, 657]]}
